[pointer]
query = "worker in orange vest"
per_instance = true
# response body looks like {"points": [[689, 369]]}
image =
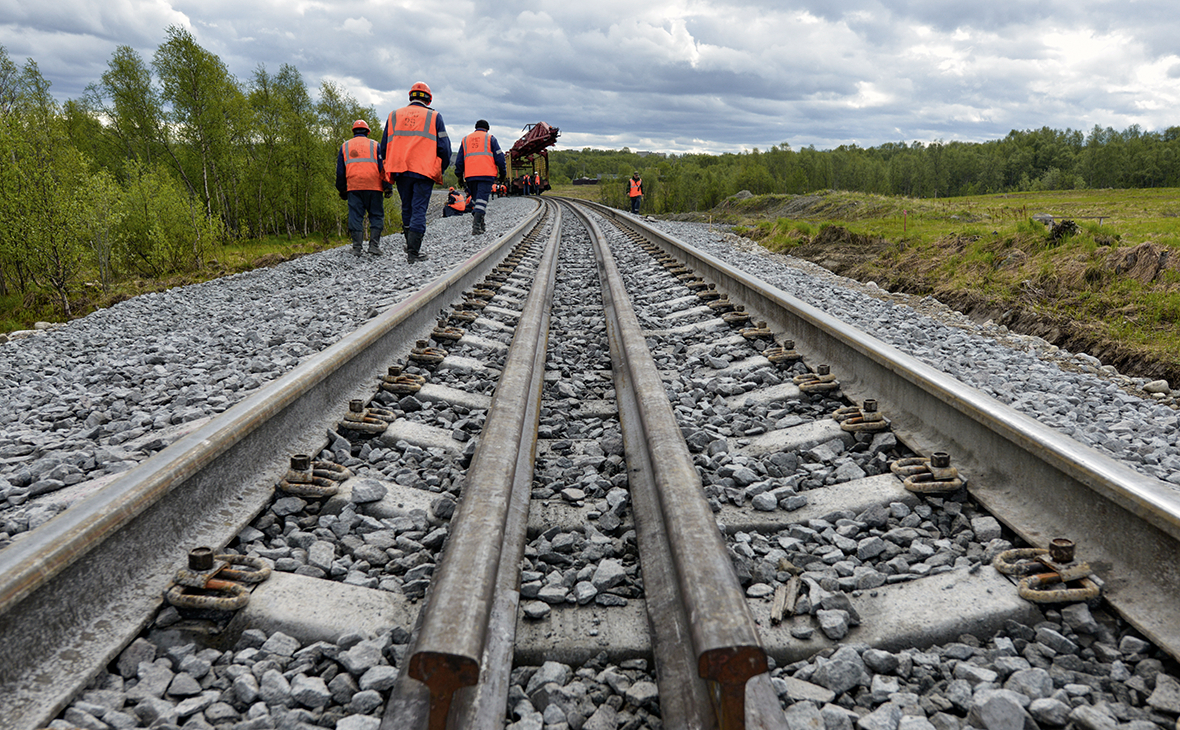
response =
{"points": [[456, 204], [361, 181], [635, 192], [537, 189], [479, 162], [416, 151]]}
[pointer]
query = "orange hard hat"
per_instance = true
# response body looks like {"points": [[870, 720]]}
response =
{"points": [[360, 124], [421, 91]]}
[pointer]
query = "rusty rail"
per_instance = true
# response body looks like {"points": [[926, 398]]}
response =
{"points": [[478, 575], [692, 590], [79, 588]]}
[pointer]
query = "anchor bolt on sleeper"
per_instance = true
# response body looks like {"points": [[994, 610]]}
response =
{"points": [[821, 381], [210, 583], [444, 333], [783, 355], [366, 420], [1063, 579], [738, 317], [401, 383], [928, 476], [313, 479], [424, 355], [863, 419], [759, 332]]}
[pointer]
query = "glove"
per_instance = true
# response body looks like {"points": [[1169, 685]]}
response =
{"points": [[343, 194]]}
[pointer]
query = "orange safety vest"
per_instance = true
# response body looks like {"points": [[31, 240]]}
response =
{"points": [[459, 202], [412, 143], [360, 164], [478, 160], [636, 188]]}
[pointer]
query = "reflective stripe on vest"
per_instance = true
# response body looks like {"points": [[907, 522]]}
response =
{"points": [[360, 164], [478, 160], [636, 188], [412, 142]]}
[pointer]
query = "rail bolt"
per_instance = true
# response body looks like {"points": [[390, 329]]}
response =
{"points": [[870, 405], [200, 559], [356, 406], [301, 462], [940, 459], [1061, 550]]}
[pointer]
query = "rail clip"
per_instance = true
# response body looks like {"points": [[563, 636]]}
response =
{"points": [[928, 476], [1066, 580], [863, 419], [313, 479], [821, 381], [366, 420], [209, 583]]}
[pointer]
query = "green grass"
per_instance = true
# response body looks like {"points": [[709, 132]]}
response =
{"points": [[987, 248], [21, 312]]}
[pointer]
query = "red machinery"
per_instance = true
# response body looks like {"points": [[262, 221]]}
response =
{"points": [[524, 155]]}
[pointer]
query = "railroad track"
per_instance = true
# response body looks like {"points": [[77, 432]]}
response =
{"points": [[710, 632]]}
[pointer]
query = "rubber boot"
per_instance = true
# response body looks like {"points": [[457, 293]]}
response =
{"points": [[375, 241], [415, 253], [476, 223], [357, 239]]}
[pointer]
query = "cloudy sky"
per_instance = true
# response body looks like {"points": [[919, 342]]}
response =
{"points": [[671, 75]]}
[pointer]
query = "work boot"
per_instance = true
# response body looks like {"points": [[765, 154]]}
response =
{"points": [[357, 238], [375, 241], [414, 246], [476, 224]]}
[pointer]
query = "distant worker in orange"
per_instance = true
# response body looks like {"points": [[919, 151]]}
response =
{"points": [[456, 204], [479, 162], [635, 192], [416, 151], [537, 189], [361, 181]]}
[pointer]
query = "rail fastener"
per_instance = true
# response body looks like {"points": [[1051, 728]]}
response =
{"points": [[1065, 580], [313, 479], [928, 476], [366, 420], [820, 381], [423, 354], [220, 587], [863, 419], [396, 381]]}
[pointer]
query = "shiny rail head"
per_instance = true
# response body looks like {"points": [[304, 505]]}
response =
{"points": [[728, 669]]}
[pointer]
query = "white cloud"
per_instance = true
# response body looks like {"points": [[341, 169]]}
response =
{"points": [[678, 74], [360, 26]]}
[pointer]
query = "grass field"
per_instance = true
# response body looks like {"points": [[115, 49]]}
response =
{"points": [[1111, 287]]}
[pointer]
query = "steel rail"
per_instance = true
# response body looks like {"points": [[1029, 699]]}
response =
{"points": [[699, 582], [79, 588], [1039, 482], [481, 553]]}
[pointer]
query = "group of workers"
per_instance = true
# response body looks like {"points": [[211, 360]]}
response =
{"points": [[413, 154]]}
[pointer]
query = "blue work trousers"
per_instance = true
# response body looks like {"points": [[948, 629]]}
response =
{"points": [[480, 190], [415, 195], [366, 201]]}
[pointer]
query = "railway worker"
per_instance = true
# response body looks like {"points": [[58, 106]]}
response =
{"points": [[537, 189], [526, 187], [635, 192], [361, 181], [479, 162], [456, 204], [416, 151]]}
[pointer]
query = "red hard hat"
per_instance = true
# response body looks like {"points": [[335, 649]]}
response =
{"points": [[421, 91], [360, 124]]}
